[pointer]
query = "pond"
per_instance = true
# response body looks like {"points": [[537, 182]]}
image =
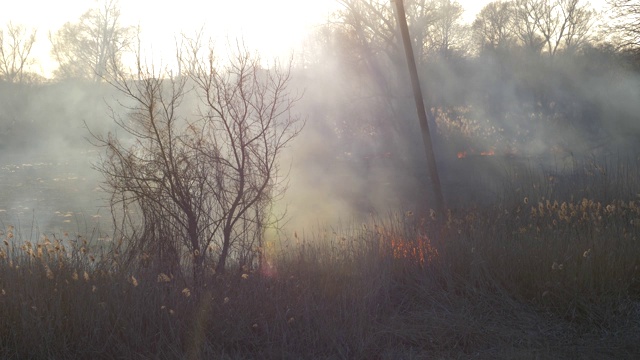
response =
{"points": [[45, 193]]}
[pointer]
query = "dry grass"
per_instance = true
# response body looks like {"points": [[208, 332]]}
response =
{"points": [[528, 278]]}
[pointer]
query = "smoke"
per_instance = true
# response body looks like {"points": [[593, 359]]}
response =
{"points": [[506, 114], [361, 152], [46, 175]]}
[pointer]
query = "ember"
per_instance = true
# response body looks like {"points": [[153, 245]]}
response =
{"points": [[418, 250], [463, 154]]}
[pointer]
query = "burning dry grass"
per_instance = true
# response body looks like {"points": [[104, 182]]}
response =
{"points": [[530, 278]]}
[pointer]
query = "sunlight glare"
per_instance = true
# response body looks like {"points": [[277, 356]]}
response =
{"points": [[275, 28]]}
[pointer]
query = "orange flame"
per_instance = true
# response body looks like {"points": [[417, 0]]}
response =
{"points": [[463, 154], [418, 250]]}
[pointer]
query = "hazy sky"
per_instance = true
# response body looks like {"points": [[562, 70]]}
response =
{"points": [[271, 27]]}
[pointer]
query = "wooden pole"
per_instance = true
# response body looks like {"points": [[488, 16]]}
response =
{"points": [[422, 114]]}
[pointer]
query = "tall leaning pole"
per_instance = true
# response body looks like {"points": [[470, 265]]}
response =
{"points": [[422, 114]]}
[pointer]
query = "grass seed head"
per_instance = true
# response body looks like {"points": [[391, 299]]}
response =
{"points": [[49, 272], [186, 292]]}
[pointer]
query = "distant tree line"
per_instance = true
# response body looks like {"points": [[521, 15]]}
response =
{"points": [[536, 26], [82, 48], [527, 77], [16, 43]]}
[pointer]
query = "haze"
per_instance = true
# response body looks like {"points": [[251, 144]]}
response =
{"points": [[249, 179], [273, 28], [361, 129]]}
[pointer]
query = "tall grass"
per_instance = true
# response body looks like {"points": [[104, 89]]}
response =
{"points": [[540, 274]]}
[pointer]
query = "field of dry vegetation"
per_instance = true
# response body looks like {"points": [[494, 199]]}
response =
{"points": [[541, 274], [532, 260]]}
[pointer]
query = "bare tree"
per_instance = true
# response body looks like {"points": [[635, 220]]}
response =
{"points": [[625, 21], [15, 51], [525, 25], [247, 121], [83, 49], [493, 26], [372, 43], [537, 25], [564, 24], [372, 23], [435, 25], [446, 32], [550, 23], [202, 183], [146, 170], [380, 120], [580, 18]]}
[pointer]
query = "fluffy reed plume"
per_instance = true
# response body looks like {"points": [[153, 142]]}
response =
{"points": [[48, 272]]}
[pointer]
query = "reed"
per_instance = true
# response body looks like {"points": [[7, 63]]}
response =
{"points": [[541, 273]]}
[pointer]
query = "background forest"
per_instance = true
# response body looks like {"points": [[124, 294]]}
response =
{"points": [[529, 79]]}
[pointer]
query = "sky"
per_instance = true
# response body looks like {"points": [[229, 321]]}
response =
{"points": [[272, 28]]}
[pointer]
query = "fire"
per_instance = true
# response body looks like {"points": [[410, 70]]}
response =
{"points": [[418, 250], [463, 154]]}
